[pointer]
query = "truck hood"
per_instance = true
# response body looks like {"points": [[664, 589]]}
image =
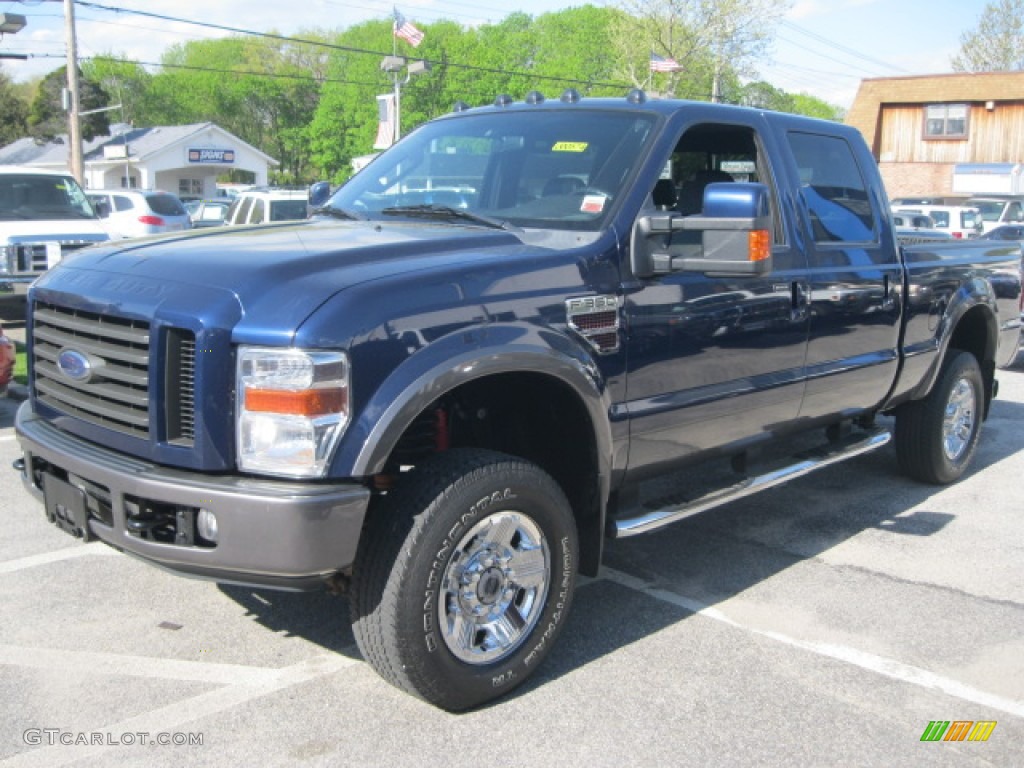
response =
{"points": [[261, 281]]}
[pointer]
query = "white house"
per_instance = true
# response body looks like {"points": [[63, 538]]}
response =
{"points": [[182, 159]]}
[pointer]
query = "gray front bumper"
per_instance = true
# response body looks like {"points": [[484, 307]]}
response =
{"points": [[286, 535]]}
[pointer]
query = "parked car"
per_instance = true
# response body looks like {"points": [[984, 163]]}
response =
{"points": [[1005, 232], [6, 361], [908, 220], [929, 200], [136, 213], [207, 213], [959, 221], [261, 205]]}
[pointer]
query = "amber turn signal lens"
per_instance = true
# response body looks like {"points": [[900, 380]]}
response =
{"points": [[305, 402], [759, 245]]}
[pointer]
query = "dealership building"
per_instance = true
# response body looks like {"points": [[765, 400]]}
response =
{"points": [[182, 159]]}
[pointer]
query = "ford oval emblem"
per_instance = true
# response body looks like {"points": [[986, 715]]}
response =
{"points": [[74, 365]]}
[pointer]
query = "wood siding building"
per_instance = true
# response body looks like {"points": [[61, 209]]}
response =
{"points": [[919, 128]]}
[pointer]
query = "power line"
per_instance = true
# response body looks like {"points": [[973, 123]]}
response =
{"points": [[840, 47], [349, 49]]}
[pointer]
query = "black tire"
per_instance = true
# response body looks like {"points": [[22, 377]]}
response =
{"points": [[931, 446], [447, 543]]}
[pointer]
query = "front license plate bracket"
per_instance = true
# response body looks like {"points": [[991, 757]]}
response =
{"points": [[66, 507]]}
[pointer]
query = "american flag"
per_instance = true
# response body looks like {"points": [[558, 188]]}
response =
{"points": [[663, 64], [405, 30]]}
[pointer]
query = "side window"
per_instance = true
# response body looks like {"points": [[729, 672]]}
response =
{"points": [[122, 203], [256, 216], [713, 153], [833, 189], [240, 208], [1014, 212]]}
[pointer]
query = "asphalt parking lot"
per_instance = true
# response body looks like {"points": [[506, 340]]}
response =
{"points": [[827, 622]]}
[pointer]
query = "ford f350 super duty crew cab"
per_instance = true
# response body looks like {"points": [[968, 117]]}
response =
{"points": [[443, 391]]}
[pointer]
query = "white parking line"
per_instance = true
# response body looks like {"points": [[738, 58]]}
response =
{"points": [[8, 438], [188, 711], [66, 553], [879, 664], [101, 663]]}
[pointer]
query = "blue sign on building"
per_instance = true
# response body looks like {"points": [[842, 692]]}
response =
{"points": [[196, 155]]}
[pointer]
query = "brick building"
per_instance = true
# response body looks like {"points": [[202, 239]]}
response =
{"points": [[919, 128]]}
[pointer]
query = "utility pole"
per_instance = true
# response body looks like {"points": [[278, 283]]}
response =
{"points": [[74, 119]]}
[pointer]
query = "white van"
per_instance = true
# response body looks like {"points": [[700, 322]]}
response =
{"points": [[44, 215], [960, 221]]}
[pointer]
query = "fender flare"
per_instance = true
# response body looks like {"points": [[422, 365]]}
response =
{"points": [[462, 357], [971, 295]]}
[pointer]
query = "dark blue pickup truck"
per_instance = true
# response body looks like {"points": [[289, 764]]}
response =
{"points": [[443, 392]]}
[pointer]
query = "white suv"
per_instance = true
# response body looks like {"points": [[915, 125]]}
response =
{"points": [[262, 205], [136, 213]]}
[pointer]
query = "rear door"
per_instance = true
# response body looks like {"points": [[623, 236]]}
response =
{"points": [[854, 280]]}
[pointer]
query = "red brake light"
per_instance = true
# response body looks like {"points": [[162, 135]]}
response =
{"points": [[154, 220]]}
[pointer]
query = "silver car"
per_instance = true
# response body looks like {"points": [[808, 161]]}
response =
{"points": [[136, 213]]}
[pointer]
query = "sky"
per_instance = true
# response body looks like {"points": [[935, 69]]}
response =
{"points": [[822, 47]]}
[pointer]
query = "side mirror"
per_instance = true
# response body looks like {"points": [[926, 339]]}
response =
{"points": [[319, 193], [733, 235]]}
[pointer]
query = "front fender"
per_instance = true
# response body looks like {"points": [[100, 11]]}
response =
{"points": [[461, 357]]}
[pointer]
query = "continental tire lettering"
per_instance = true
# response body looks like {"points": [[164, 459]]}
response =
{"points": [[503, 679], [563, 597]]}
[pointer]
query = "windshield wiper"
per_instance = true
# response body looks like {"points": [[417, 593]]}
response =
{"points": [[445, 212], [338, 213]]}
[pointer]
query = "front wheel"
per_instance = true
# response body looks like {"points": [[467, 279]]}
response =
{"points": [[936, 437], [464, 577]]}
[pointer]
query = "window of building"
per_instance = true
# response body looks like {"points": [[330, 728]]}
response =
{"points": [[945, 121], [190, 187], [129, 182]]}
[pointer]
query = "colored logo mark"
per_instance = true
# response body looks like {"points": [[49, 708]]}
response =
{"points": [[958, 730]]}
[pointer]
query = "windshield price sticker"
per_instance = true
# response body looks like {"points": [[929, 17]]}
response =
{"points": [[593, 203], [570, 146]]}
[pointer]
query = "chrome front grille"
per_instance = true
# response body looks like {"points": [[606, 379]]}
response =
{"points": [[96, 368], [36, 258]]}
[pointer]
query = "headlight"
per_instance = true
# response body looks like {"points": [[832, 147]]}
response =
{"points": [[293, 406], [7, 257]]}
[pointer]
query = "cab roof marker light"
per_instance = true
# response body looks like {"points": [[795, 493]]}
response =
{"points": [[460, 106], [636, 96], [570, 96], [534, 98], [503, 100]]}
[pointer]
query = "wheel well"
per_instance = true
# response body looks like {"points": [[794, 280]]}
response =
{"points": [[974, 333], [529, 415]]}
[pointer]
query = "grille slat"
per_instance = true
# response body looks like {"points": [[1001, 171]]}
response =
{"points": [[113, 413], [108, 330], [107, 351]]}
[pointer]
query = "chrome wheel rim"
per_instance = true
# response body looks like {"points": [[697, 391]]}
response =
{"points": [[958, 421], [494, 588]]}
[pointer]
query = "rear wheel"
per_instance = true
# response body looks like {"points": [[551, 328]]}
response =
{"points": [[936, 437], [464, 577]]}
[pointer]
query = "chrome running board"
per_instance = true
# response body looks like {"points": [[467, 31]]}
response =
{"points": [[804, 464]]}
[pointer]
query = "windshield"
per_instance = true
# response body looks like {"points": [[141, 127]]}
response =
{"points": [[560, 170], [990, 210], [29, 197]]}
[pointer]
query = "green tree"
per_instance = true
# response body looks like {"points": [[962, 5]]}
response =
{"points": [[47, 119], [13, 112], [996, 44], [125, 81], [711, 41], [262, 90]]}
